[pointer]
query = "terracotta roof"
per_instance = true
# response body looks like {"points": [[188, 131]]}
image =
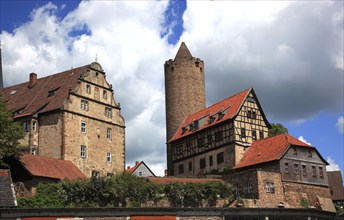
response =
{"points": [[269, 149], [137, 164], [335, 183], [230, 107], [50, 167], [28, 100], [164, 180]]}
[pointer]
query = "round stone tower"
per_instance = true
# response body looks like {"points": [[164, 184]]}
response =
{"points": [[184, 88]]}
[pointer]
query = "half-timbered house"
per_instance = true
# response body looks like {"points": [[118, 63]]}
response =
{"points": [[217, 137]]}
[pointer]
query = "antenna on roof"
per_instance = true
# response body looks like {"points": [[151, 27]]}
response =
{"points": [[71, 70], [96, 57]]}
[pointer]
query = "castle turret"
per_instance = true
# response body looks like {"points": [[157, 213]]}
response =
{"points": [[184, 88]]}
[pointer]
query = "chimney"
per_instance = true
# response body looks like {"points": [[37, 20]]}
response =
{"points": [[128, 167], [137, 163], [33, 80]]}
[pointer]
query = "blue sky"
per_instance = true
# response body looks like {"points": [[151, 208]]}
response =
{"points": [[291, 53]]}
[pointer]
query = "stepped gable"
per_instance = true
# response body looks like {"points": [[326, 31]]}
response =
{"points": [[270, 149], [50, 167], [41, 95], [233, 104]]}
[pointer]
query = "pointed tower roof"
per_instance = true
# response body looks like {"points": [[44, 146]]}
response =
{"points": [[183, 52]]}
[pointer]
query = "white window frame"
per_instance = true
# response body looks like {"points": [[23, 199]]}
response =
{"points": [[34, 125], [88, 88], [84, 105], [109, 134], [108, 112], [105, 94], [83, 127], [109, 157], [269, 187], [83, 151]]}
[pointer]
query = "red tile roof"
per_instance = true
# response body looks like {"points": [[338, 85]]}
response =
{"points": [[137, 164], [233, 104], [36, 99], [164, 180], [269, 149], [51, 168]]}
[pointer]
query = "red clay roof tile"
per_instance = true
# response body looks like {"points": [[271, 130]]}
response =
{"points": [[50, 167], [269, 149], [28, 101], [233, 104]]}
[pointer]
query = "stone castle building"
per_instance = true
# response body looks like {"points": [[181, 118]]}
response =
{"points": [[72, 116], [231, 137]]}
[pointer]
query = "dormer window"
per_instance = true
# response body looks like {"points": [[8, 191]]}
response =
{"points": [[194, 125], [52, 92], [211, 119], [184, 130], [220, 115]]}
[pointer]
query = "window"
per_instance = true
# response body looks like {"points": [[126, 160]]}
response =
{"points": [[269, 187], [286, 167], [218, 136], [200, 142], [254, 115], [249, 114], [210, 160], [304, 170], [321, 172], [209, 139], [219, 158], [243, 133], [181, 168], [254, 135], [190, 166], [202, 163], [88, 89], [83, 151], [33, 151], [109, 133], [294, 151], [310, 153], [108, 112], [83, 127], [95, 174], [34, 125], [84, 105], [248, 188], [104, 94], [140, 173], [296, 168], [261, 135], [108, 157], [26, 126], [52, 92], [314, 171]]}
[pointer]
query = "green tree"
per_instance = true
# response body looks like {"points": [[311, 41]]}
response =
{"points": [[10, 133], [277, 129]]}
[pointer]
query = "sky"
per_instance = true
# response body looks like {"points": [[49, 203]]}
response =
{"points": [[291, 53]]}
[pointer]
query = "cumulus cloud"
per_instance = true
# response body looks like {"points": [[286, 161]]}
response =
{"points": [[287, 51], [301, 138], [333, 165], [340, 124]]}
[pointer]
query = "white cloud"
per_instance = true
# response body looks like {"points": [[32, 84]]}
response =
{"points": [[301, 138], [333, 165], [340, 124]]}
